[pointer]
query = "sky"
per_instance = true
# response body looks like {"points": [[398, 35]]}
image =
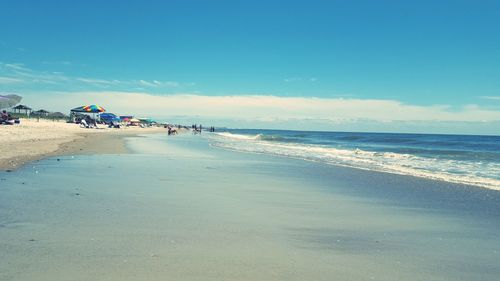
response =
{"points": [[395, 66]]}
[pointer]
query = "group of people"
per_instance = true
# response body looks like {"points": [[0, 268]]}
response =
{"points": [[197, 129], [6, 119], [88, 122], [171, 130]]}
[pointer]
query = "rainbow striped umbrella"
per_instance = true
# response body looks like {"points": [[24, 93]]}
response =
{"points": [[93, 108], [89, 108]]}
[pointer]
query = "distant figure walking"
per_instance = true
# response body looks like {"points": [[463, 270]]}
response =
{"points": [[171, 131], [196, 129]]}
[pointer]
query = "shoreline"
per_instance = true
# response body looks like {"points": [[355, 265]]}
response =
{"points": [[178, 208], [36, 140]]}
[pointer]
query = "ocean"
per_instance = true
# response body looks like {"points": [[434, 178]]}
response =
{"points": [[465, 159], [185, 208]]}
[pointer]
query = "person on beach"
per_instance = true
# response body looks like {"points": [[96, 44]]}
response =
{"points": [[171, 131], [92, 122], [7, 119], [89, 122], [83, 123], [5, 115], [114, 124]]}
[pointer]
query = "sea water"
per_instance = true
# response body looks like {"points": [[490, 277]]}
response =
{"points": [[464, 159], [180, 208]]}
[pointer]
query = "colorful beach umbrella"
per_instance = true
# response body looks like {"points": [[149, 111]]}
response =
{"points": [[93, 108], [89, 109]]}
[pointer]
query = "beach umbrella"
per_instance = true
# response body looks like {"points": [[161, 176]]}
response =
{"points": [[7, 101], [126, 118], [109, 118], [147, 120], [94, 108], [78, 109], [89, 109]]}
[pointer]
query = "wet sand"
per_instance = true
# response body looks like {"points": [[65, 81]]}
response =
{"points": [[34, 140], [178, 209]]}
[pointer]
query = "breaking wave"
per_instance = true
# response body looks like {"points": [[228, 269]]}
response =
{"points": [[476, 172]]}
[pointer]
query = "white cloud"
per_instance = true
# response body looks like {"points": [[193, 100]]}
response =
{"points": [[491, 97], [245, 110], [300, 79], [16, 66], [27, 75], [17, 72], [9, 80], [97, 81], [156, 83], [148, 84], [174, 84], [64, 62], [273, 107]]}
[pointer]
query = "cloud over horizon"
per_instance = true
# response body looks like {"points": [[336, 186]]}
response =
{"points": [[60, 92], [266, 109]]}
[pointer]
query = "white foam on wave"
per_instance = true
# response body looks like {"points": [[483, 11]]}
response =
{"points": [[239, 137], [456, 171]]}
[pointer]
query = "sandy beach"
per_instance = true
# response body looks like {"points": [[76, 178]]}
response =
{"points": [[36, 139], [179, 208]]}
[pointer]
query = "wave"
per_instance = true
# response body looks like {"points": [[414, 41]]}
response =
{"points": [[238, 136], [255, 137], [478, 173]]}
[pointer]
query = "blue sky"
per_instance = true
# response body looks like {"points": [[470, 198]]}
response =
{"points": [[418, 53]]}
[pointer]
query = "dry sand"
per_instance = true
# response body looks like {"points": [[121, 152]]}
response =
{"points": [[33, 140]]}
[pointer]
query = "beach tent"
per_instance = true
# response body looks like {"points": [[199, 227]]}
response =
{"points": [[134, 122], [126, 118], [109, 118], [108, 115], [7, 101], [147, 120]]}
